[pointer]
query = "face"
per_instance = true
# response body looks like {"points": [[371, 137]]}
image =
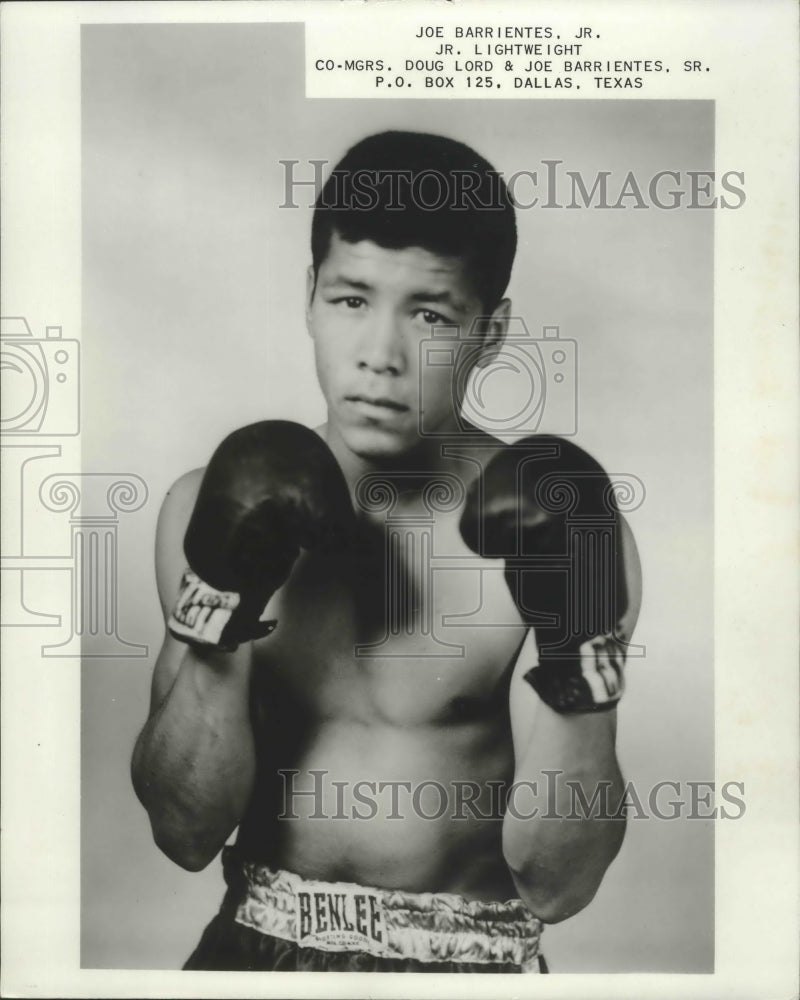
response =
{"points": [[369, 314]]}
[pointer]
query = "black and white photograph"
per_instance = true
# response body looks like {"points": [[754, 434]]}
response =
{"points": [[375, 502]]}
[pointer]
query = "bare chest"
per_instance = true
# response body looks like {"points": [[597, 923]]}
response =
{"points": [[407, 628]]}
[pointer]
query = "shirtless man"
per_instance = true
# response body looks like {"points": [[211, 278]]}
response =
{"points": [[358, 634]]}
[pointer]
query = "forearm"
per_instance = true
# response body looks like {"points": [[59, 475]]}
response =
{"points": [[558, 856], [194, 763]]}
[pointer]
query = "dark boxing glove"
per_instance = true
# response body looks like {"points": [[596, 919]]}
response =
{"points": [[548, 509], [269, 489]]}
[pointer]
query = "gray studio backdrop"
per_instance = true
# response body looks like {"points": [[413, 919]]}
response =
{"points": [[193, 282]]}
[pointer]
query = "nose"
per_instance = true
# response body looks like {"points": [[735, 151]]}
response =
{"points": [[381, 347]]}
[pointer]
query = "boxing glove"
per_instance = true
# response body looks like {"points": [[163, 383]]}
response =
{"points": [[547, 508], [270, 489]]}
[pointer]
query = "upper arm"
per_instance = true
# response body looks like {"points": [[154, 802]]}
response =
{"points": [[170, 564], [633, 579]]}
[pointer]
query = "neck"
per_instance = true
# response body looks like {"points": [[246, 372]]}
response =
{"points": [[425, 458]]}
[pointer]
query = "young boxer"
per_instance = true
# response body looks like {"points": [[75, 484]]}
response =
{"points": [[382, 632]]}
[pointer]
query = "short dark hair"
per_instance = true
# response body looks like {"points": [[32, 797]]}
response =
{"points": [[403, 189]]}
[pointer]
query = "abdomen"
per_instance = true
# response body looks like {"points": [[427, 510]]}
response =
{"points": [[415, 808]]}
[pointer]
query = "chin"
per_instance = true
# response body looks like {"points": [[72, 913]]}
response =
{"points": [[374, 445]]}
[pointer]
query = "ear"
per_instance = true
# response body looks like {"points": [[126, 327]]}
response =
{"points": [[494, 333], [310, 287]]}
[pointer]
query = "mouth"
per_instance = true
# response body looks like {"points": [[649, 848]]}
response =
{"points": [[376, 405]]}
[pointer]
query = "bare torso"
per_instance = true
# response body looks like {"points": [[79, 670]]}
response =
{"points": [[358, 685]]}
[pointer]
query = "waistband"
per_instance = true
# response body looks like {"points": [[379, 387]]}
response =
{"points": [[344, 916]]}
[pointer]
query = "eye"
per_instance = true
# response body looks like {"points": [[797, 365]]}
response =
{"points": [[350, 301], [433, 318]]}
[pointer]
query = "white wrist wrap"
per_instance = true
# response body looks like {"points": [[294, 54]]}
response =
{"points": [[589, 679], [602, 665], [201, 612]]}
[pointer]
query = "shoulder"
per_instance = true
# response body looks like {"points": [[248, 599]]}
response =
{"points": [[532, 456], [476, 446], [180, 497], [536, 454], [564, 452]]}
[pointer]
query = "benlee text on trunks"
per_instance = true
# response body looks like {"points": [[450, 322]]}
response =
{"points": [[342, 917]]}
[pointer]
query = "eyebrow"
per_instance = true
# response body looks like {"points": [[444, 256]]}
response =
{"points": [[443, 298], [340, 279]]}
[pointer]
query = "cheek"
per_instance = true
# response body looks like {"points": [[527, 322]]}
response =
{"points": [[334, 363], [326, 372], [436, 384], [328, 353]]}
